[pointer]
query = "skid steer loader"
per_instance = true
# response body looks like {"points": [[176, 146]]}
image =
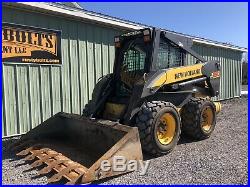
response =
{"points": [[151, 96]]}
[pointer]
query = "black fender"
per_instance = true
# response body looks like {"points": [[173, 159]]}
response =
{"points": [[178, 99], [211, 70]]}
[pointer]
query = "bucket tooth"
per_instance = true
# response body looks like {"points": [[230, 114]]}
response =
{"points": [[61, 173], [40, 151], [30, 157], [37, 164], [43, 159], [55, 178], [28, 150], [21, 145], [52, 165], [76, 179], [25, 152], [35, 153]]}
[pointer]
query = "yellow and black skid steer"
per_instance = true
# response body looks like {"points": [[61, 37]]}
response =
{"points": [[144, 105]]}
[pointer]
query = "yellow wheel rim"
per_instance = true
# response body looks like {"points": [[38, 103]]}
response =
{"points": [[207, 116], [166, 128]]}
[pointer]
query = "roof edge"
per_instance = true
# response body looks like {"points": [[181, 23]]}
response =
{"points": [[62, 10]]}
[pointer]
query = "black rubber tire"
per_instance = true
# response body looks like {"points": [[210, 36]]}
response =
{"points": [[191, 118], [146, 121]]}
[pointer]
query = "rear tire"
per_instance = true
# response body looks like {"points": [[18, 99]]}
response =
{"points": [[158, 123], [198, 118]]}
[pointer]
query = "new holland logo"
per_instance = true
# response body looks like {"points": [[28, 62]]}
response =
{"points": [[187, 74], [21, 44]]}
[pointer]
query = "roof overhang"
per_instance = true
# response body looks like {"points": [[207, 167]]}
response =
{"points": [[84, 15], [217, 44], [77, 14]]}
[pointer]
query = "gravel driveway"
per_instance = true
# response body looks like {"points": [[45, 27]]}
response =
{"points": [[221, 159]]}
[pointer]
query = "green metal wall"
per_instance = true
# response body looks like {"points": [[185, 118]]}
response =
{"points": [[33, 93], [230, 61]]}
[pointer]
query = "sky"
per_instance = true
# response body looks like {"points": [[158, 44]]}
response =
{"points": [[223, 22]]}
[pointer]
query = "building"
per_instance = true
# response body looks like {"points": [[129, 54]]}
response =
{"points": [[34, 91]]}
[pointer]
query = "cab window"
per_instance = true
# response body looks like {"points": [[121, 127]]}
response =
{"points": [[168, 56]]}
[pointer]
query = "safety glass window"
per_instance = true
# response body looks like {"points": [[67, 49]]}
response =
{"points": [[168, 56], [134, 59]]}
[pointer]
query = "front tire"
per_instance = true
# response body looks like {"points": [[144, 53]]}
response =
{"points": [[198, 118], [158, 123]]}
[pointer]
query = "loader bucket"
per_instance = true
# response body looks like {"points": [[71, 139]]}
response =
{"points": [[73, 147]]}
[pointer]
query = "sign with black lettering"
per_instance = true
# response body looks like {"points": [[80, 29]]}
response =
{"points": [[187, 73], [30, 45]]}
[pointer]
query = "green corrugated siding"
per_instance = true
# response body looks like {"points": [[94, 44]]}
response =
{"points": [[33, 93], [230, 60]]}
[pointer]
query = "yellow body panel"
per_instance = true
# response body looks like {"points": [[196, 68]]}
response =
{"points": [[179, 74]]}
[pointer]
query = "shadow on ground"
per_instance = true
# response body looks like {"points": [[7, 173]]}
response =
{"points": [[183, 140]]}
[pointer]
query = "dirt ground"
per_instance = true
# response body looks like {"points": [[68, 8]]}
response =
{"points": [[221, 159]]}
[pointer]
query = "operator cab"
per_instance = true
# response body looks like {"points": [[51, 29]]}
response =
{"points": [[140, 53]]}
